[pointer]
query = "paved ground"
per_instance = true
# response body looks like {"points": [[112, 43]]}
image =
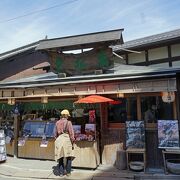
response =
{"points": [[18, 169]]}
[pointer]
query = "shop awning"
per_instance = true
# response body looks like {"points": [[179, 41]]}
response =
{"points": [[94, 99]]}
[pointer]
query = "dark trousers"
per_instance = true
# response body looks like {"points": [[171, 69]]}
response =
{"points": [[65, 166]]}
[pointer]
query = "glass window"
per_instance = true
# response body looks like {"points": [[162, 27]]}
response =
{"points": [[50, 129], [132, 108], [117, 111], [125, 110], [153, 108], [34, 129]]}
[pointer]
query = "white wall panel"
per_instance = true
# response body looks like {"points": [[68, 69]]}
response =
{"points": [[158, 53], [175, 50], [136, 58]]}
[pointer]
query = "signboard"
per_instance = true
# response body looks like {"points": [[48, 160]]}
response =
{"points": [[168, 134], [3, 155], [135, 134], [82, 63]]}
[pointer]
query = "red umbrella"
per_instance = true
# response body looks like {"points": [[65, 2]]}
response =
{"points": [[115, 102], [94, 99]]}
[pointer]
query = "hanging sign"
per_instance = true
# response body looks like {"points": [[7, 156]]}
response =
{"points": [[168, 97]]}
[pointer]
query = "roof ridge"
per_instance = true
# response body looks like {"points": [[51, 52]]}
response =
{"points": [[163, 33], [84, 34], [164, 36]]}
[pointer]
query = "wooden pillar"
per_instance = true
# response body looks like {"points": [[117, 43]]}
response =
{"points": [[139, 107], [174, 109], [104, 116], [127, 60], [178, 95], [128, 109], [169, 56], [147, 57], [103, 128], [16, 130]]}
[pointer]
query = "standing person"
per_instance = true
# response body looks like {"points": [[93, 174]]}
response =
{"points": [[150, 114], [64, 143]]}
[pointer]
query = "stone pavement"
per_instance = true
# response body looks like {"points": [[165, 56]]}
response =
{"points": [[41, 169]]}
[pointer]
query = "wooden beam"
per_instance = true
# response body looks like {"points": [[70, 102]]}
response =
{"points": [[158, 61]]}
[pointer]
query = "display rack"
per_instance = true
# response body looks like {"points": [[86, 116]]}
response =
{"points": [[3, 156], [167, 152]]}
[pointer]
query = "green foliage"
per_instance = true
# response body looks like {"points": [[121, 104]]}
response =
{"points": [[58, 64], [102, 59]]}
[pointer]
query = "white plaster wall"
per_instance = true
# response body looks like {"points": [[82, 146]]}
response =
{"points": [[136, 58], [175, 50], [158, 53], [119, 60]]}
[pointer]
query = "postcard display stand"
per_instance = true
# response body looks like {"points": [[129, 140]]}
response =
{"points": [[86, 147], [135, 141], [168, 137], [37, 141], [3, 156]]}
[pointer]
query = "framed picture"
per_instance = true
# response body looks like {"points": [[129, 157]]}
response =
{"points": [[135, 134], [77, 132], [168, 134], [90, 131]]}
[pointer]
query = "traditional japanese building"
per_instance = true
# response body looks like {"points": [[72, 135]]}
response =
{"points": [[104, 68]]}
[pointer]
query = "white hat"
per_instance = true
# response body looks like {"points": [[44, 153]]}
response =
{"points": [[65, 112]]}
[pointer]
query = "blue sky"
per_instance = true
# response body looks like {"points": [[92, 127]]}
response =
{"points": [[139, 18]]}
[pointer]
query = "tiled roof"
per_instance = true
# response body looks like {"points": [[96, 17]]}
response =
{"points": [[84, 39], [157, 38], [18, 50], [117, 73]]}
